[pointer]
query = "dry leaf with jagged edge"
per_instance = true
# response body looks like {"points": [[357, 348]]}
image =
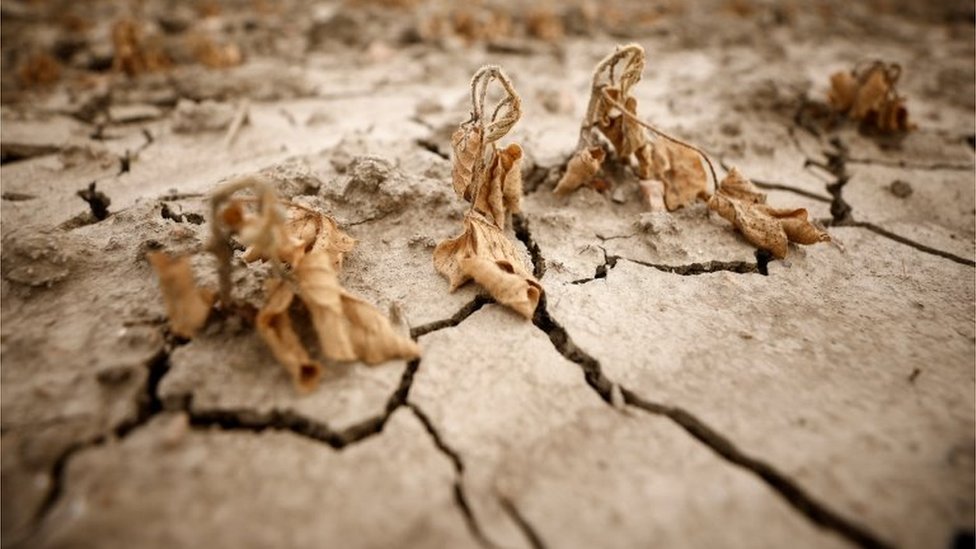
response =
{"points": [[273, 324], [868, 94], [740, 202], [679, 167], [348, 328], [484, 254], [187, 305], [581, 168], [501, 190]]}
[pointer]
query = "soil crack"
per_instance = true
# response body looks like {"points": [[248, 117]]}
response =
{"points": [[521, 225], [814, 510], [842, 212], [460, 496], [690, 269]]}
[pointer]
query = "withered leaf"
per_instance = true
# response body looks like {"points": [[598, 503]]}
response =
{"points": [[483, 253], [303, 230], [274, 325], [626, 135], [680, 168], [740, 202], [186, 305], [580, 170], [467, 145], [347, 327], [501, 191]]}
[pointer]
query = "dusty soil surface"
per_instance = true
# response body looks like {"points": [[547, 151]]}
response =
{"points": [[666, 393]]}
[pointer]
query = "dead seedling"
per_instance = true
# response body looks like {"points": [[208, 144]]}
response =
{"points": [[304, 248], [132, 54], [670, 170], [490, 179], [867, 94]]}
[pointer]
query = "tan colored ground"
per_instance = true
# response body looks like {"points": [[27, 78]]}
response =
{"points": [[666, 394]]}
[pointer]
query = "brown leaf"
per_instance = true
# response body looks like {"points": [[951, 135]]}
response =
{"points": [[347, 327], [467, 145], [186, 305], [580, 169], [871, 94], [738, 201], [843, 91], [680, 168], [483, 253], [273, 324], [623, 132], [502, 189], [303, 230]]}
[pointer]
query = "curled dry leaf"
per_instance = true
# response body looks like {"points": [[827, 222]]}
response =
{"points": [[186, 305], [869, 95], [501, 191], [679, 167], [484, 254], [274, 325], [622, 131], [348, 328], [740, 202], [303, 230], [580, 170]]}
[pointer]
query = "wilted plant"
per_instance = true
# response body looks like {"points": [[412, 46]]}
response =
{"points": [[670, 169], [304, 249], [490, 179], [868, 95]]}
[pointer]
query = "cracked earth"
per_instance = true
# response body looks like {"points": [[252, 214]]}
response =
{"points": [[675, 388]]}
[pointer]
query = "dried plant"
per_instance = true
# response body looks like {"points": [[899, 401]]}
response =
{"points": [[490, 179], [868, 95], [670, 169], [132, 55], [304, 249]]}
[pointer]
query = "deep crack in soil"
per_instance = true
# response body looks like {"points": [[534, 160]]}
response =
{"points": [[149, 404], [460, 496], [816, 511], [842, 213]]}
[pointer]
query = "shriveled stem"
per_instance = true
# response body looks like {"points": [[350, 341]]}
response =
{"points": [[220, 244]]}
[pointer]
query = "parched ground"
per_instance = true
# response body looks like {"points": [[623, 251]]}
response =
{"points": [[666, 393]]}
